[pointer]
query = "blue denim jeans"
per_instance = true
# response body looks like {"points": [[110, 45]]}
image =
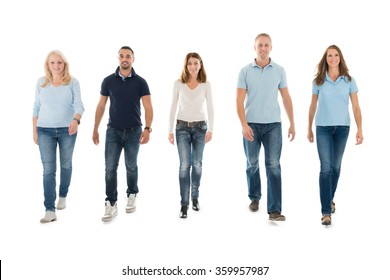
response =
{"points": [[116, 140], [48, 138], [331, 142], [270, 135], [190, 144]]}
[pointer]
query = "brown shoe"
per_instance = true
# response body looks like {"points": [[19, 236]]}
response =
{"points": [[333, 207], [326, 220], [276, 216], [254, 206]]}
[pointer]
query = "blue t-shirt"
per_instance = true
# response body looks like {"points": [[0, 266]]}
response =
{"points": [[333, 100], [125, 99], [262, 86]]}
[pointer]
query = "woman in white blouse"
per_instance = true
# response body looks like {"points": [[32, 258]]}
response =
{"points": [[193, 113]]}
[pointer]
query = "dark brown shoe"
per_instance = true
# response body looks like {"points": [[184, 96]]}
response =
{"points": [[326, 220], [333, 207], [276, 216], [254, 206]]}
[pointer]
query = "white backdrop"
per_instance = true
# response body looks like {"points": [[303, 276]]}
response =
{"points": [[224, 232]]}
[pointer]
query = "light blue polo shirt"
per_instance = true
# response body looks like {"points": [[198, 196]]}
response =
{"points": [[333, 100], [262, 90]]}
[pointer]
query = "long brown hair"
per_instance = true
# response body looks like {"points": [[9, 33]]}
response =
{"points": [[66, 77], [185, 75], [322, 67]]}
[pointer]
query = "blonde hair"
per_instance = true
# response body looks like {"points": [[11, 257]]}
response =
{"points": [[264, 35], [66, 77]]}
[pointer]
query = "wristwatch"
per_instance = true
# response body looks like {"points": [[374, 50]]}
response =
{"points": [[148, 129], [77, 120]]}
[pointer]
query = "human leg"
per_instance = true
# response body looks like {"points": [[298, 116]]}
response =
{"points": [[252, 152], [47, 141], [198, 144], [272, 141], [131, 149], [66, 144], [325, 153], [183, 141], [113, 149]]}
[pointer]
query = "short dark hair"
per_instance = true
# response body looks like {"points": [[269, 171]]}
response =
{"points": [[126, 48]]}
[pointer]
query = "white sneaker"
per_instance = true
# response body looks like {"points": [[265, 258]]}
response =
{"points": [[61, 204], [130, 207], [50, 216], [111, 212]]}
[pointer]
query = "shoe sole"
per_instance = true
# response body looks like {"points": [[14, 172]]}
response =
{"points": [[278, 219], [109, 219], [130, 210], [45, 221]]}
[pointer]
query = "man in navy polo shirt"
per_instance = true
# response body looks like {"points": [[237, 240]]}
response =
{"points": [[126, 90]]}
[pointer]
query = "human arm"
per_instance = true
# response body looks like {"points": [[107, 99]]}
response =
{"points": [[173, 112], [148, 108], [240, 99], [210, 113], [98, 117], [74, 124], [36, 109], [78, 106], [312, 112], [288, 106], [358, 117], [35, 130]]}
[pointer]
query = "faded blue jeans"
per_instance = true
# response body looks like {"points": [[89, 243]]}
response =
{"points": [[48, 139], [270, 135], [331, 142], [117, 140], [190, 144]]}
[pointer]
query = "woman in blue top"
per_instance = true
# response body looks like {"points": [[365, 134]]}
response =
{"points": [[332, 89], [56, 116]]}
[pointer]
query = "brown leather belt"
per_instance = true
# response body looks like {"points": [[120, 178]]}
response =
{"points": [[192, 124]]}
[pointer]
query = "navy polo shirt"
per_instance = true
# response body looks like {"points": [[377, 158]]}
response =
{"points": [[125, 99]]}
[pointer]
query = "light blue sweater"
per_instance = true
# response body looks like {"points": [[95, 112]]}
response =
{"points": [[56, 106]]}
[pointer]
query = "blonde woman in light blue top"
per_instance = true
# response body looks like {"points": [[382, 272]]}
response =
{"points": [[333, 87], [56, 116]]}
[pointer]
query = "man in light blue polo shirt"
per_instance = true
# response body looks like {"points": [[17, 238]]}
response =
{"points": [[259, 113]]}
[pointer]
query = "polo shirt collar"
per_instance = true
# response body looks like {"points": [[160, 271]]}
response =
{"points": [[271, 63], [118, 73], [331, 81]]}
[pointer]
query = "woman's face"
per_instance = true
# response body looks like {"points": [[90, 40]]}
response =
{"points": [[333, 58], [56, 64], [193, 66]]}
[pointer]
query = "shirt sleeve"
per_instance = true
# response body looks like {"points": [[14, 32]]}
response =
{"points": [[283, 79], [37, 101], [77, 102], [174, 102], [315, 88], [210, 107], [241, 83], [353, 87]]}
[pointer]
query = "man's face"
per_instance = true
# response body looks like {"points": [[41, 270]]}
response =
{"points": [[126, 59], [263, 47]]}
